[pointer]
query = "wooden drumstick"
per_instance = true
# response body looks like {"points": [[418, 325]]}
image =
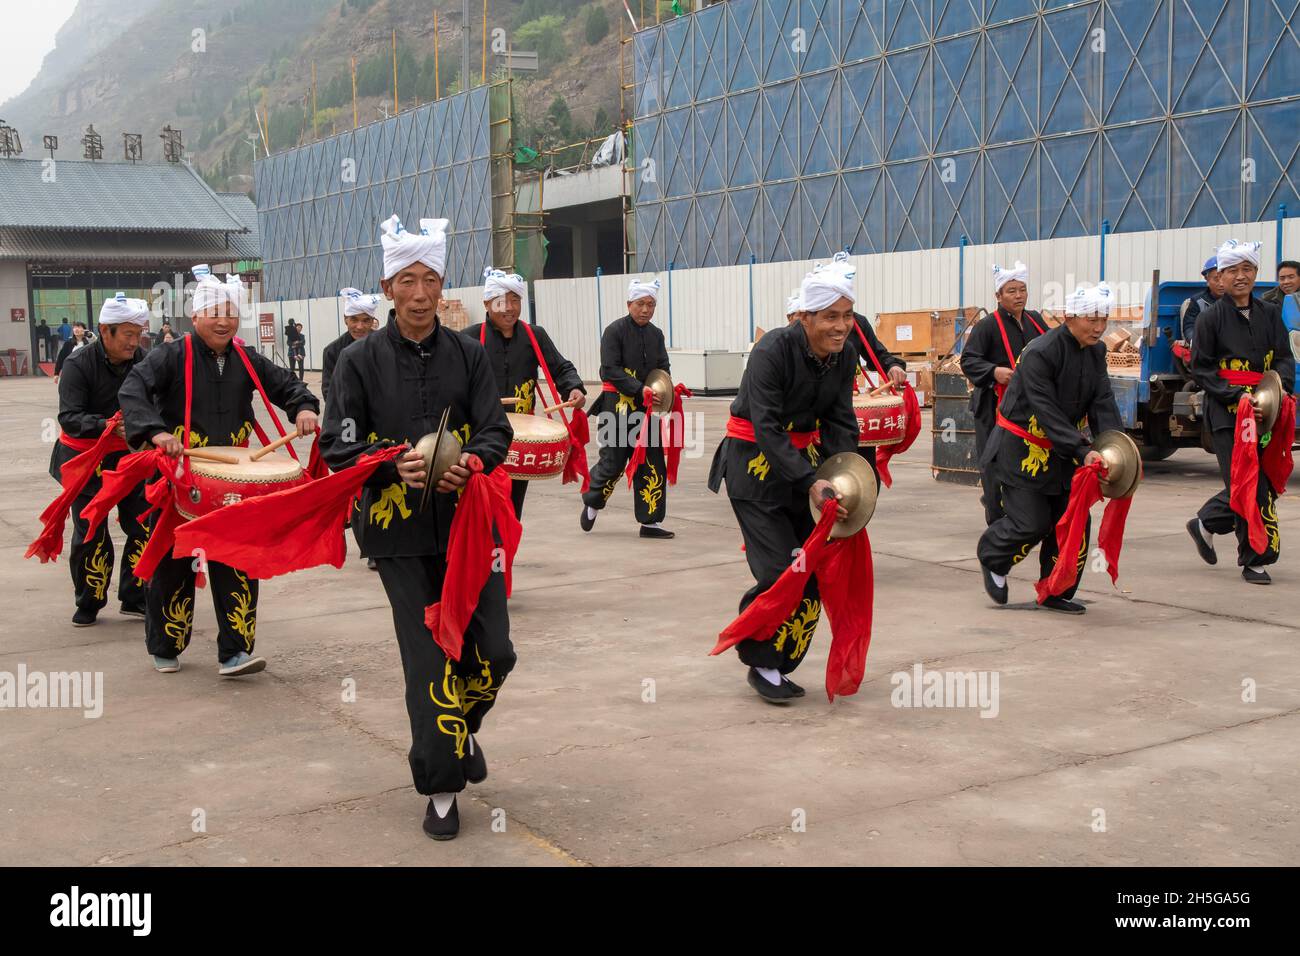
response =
{"points": [[555, 408], [204, 455], [511, 401], [268, 449], [878, 389]]}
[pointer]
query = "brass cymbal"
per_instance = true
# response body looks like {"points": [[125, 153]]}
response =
{"points": [[1268, 398], [1123, 463], [440, 450], [661, 383], [850, 476]]}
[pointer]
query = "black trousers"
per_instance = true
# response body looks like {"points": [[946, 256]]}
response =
{"points": [[446, 700], [989, 484], [169, 611], [91, 561], [773, 530], [1219, 518], [518, 489], [1030, 518], [649, 482], [296, 362]]}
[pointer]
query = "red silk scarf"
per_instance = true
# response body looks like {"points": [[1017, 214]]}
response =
{"points": [[845, 582], [472, 554], [1247, 460], [671, 433], [1085, 491]]}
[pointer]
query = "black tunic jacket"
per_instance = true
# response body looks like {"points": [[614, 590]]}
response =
{"points": [[1059, 387], [984, 351], [153, 395], [514, 363], [329, 360], [1224, 339], [786, 388], [628, 353], [388, 389], [87, 399]]}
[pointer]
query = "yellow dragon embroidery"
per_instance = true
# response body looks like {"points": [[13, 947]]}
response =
{"points": [[178, 616], [393, 499], [626, 403], [243, 619], [242, 436], [1037, 458], [526, 393], [98, 571], [1268, 512], [652, 491], [197, 439], [453, 724], [759, 466], [799, 629]]}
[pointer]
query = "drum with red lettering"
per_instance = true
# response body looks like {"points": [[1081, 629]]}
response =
{"points": [[539, 450], [217, 484], [881, 419]]}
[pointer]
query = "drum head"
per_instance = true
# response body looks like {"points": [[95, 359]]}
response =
{"points": [[850, 476], [534, 428], [884, 400], [274, 467]]}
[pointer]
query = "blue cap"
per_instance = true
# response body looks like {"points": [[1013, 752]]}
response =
{"points": [[1211, 264]]}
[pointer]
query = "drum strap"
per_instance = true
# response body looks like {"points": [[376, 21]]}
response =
{"points": [[911, 407], [1006, 344], [871, 352]]}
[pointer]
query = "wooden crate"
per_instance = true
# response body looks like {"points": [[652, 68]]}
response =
{"points": [[452, 314], [920, 333]]}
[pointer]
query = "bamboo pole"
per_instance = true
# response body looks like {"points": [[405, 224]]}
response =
{"points": [[395, 110], [354, 92], [437, 75], [484, 78], [313, 99]]}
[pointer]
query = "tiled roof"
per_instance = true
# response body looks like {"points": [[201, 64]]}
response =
{"points": [[185, 248]]}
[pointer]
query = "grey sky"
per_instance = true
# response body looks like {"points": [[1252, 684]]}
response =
{"points": [[29, 30]]}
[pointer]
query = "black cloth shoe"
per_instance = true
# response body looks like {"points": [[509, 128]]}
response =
{"points": [[798, 691], [442, 828], [84, 617], [998, 594], [1206, 551], [132, 610], [1064, 606], [475, 764], [781, 693], [587, 523], [1250, 575], [649, 532], [370, 563]]}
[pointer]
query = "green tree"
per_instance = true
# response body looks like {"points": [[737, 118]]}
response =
{"points": [[545, 35], [597, 25]]}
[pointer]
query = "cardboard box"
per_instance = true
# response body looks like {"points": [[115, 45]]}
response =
{"points": [[920, 332]]}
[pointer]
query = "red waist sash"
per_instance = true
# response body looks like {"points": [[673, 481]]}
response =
{"points": [[111, 444], [743, 429], [1019, 432]]}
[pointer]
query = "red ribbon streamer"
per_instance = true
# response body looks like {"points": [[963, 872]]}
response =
{"points": [[672, 436], [73, 476], [1085, 491], [285, 531], [845, 581], [484, 504], [161, 495], [1247, 459]]}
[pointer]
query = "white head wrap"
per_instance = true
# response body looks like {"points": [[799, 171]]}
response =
{"points": [[827, 283], [1090, 300], [120, 309], [1233, 252], [210, 291], [637, 289], [793, 304], [1017, 273], [497, 283], [358, 303], [402, 248]]}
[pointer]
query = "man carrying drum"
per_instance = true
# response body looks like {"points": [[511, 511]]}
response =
{"points": [[195, 392], [794, 409], [1060, 387], [395, 387], [630, 349], [988, 360], [91, 425], [1238, 339], [515, 351]]}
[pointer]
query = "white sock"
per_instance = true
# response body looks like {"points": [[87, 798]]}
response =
{"points": [[442, 803], [591, 513], [471, 745], [655, 524], [771, 675], [1206, 535], [999, 579]]}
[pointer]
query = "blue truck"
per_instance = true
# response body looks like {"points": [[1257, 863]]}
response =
{"points": [[1160, 406]]}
